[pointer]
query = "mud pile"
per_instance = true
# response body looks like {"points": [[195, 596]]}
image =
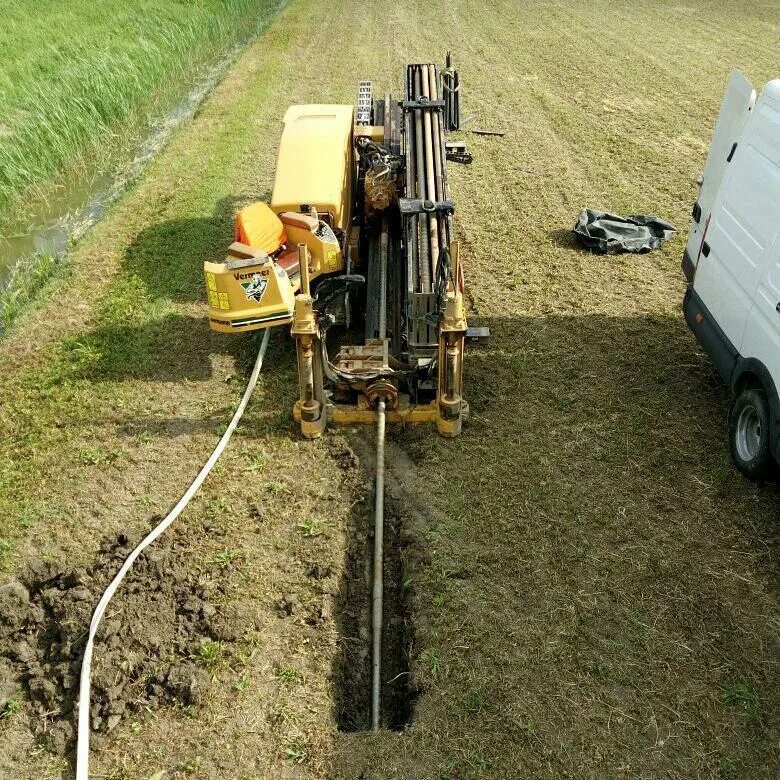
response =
{"points": [[152, 646]]}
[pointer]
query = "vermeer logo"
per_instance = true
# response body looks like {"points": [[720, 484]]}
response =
{"points": [[252, 275], [255, 288]]}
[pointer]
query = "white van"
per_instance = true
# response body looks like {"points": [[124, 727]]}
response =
{"points": [[732, 264]]}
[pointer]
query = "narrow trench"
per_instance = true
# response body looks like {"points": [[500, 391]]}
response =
{"points": [[353, 665]]}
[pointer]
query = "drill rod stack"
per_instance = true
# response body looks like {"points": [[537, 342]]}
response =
{"points": [[426, 180]]}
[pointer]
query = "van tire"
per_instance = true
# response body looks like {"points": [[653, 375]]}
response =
{"points": [[749, 423]]}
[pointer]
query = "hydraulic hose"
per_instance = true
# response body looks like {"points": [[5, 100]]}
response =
{"points": [[82, 748]]}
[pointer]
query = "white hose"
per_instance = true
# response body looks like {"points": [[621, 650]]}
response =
{"points": [[82, 749]]}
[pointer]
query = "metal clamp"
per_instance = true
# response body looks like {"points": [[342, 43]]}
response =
{"points": [[381, 389], [417, 206], [422, 104]]}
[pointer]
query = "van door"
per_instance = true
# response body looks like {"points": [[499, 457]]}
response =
{"points": [[734, 112], [744, 221], [762, 334]]}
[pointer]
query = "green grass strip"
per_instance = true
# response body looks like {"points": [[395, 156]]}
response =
{"points": [[67, 96]]}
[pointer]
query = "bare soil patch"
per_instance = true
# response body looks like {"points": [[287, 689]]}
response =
{"points": [[165, 633]]}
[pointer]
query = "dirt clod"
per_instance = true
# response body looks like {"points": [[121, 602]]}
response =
{"points": [[318, 571], [143, 653], [288, 605], [187, 682], [14, 600], [7, 686]]}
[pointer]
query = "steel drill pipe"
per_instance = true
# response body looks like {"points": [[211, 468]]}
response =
{"points": [[383, 244], [433, 86], [430, 177], [413, 271], [378, 585], [424, 256]]}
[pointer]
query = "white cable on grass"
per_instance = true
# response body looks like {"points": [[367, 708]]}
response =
{"points": [[82, 745]]}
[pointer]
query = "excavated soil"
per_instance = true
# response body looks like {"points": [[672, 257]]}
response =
{"points": [[160, 634]]}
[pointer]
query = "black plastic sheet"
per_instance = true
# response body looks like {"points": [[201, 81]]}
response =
{"points": [[611, 234]]}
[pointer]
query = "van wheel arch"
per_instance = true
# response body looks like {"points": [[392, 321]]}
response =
{"points": [[752, 373], [747, 381]]}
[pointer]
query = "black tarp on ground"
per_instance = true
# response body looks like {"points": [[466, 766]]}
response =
{"points": [[610, 234]]}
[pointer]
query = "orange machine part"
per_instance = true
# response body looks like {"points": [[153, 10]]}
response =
{"points": [[258, 226]]}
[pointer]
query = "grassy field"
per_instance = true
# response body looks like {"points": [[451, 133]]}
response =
{"points": [[591, 589], [76, 76]]}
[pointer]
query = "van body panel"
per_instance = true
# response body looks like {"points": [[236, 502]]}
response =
{"points": [[762, 334], [743, 225], [761, 339], [734, 111], [732, 303], [724, 355]]}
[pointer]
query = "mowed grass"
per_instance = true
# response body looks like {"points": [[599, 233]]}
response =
{"points": [[76, 76], [592, 585]]}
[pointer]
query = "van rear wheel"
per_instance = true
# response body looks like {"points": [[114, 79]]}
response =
{"points": [[749, 434]]}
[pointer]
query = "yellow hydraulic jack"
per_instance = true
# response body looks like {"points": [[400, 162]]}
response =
{"points": [[310, 408], [452, 408]]}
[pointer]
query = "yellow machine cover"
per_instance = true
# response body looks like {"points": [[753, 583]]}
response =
{"points": [[257, 226], [314, 163]]}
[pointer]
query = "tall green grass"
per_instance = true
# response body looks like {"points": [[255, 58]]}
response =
{"points": [[75, 75]]}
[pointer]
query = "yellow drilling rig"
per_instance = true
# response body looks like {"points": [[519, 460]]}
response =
{"points": [[357, 245]]}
